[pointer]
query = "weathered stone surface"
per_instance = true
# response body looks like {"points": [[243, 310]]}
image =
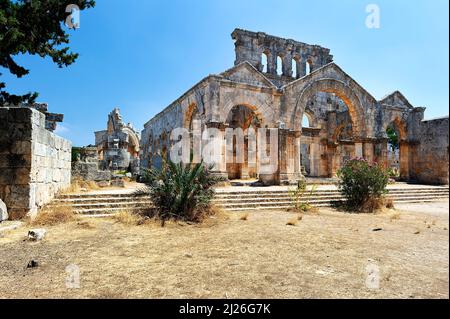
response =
{"points": [[34, 163], [118, 146], [3, 211], [344, 119]]}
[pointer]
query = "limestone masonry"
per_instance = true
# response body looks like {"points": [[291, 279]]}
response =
{"points": [[282, 83], [34, 162]]}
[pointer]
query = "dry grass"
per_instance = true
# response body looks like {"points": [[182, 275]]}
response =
{"points": [[395, 216], [292, 222], [54, 216], [244, 216], [78, 185], [324, 256], [129, 218]]}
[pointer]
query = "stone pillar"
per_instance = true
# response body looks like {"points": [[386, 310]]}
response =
{"points": [[359, 150], [268, 156], [404, 160], [288, 149], [331, 156], [368, 151], [272, 64], [220, 167], [314, 159], [301, 67], [287, 65], [381, 152]]}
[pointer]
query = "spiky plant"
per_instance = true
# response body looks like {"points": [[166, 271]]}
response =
{"points": [[181, 192]]}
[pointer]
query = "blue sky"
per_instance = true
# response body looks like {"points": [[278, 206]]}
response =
{"points": [[141, 55]]}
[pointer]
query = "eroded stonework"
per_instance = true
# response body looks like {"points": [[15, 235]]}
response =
{"points": [[34, 162], [118, 146], [278, 83]]}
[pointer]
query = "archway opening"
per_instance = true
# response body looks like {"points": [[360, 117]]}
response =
{"points": [[308, 67], [265, 62], [240, 119], [327, 140], [393, 150], [294, 69], [279, 65]]}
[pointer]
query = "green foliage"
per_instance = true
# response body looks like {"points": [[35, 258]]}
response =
{"points": [[33, 27], [181, 192], [76, 151], [300, 196], [362, 183], [393, 139]]}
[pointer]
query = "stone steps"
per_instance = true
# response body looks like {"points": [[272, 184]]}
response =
{"points": [[105, 204]]}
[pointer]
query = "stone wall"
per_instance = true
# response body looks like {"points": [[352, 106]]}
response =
{"points": [[34, 163], [431, 156]]}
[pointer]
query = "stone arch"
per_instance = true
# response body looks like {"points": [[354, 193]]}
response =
{"points": [[399, 125], [344, 92], [133, 142], [189, 114], [258, 112]]}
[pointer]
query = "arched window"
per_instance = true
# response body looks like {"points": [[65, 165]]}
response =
{"points": [[305, 121], [294, 69], [279, 65], [265, 62], [308, 66]]}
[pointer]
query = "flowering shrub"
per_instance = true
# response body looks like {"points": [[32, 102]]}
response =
{"points": [[363, 184]]}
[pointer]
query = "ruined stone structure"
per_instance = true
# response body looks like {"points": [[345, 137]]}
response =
{"points": [[86, 167], [279, 83], [118, 146], [34, 162]]}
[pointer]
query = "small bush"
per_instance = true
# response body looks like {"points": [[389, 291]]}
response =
{"points": [[363, 185], [181, 192], [300, 196]]}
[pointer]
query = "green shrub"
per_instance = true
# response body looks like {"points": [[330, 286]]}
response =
{"points": [[363, 184], [300, 196], [181, 192]]}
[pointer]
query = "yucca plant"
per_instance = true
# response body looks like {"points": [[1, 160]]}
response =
{"points": [[181, 192]]}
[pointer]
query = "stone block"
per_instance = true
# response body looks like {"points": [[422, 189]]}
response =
{"points": [[3, 211]]}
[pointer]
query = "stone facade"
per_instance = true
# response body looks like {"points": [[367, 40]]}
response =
{"points": [[118, 146], [276, 83], [431, 153], [34, 162]]}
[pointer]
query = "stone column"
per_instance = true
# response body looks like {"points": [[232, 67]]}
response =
{"points": [[272, 64], [289, 156], [314, 162], [301, 67], [368, 151], [220, 167], [381, 152], [359, 149], [404, 160], [331, 156]]}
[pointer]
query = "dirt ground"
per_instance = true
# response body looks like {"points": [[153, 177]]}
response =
{"points": [[325, 255]]}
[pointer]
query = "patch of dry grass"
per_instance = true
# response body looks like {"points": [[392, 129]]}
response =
{"points": [[53, 216], [292, 222], [129, 218], [78, 185], [244, 216], [324, 258]]}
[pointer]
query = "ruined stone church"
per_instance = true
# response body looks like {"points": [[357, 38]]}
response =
{"points": [[323, 116]]}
